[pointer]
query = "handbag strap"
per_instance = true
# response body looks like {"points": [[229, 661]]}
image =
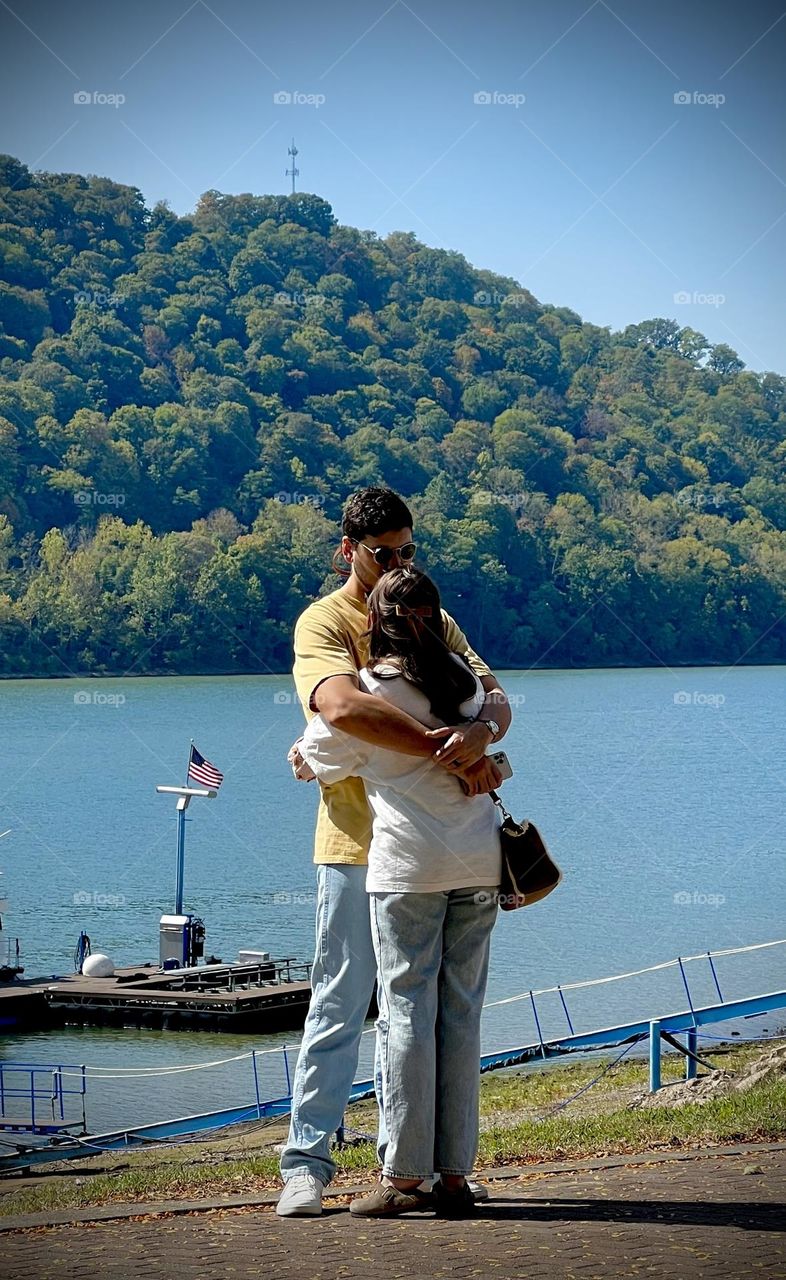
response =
{"points": [[495, 797]]}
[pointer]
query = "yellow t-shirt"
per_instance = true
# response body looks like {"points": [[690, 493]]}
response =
{"points": [[330, 641]]}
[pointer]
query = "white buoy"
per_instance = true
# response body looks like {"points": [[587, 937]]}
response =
{"points": [[98, 965]]}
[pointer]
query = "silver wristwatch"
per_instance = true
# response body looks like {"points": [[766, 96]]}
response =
{"points": [[493, 726]]}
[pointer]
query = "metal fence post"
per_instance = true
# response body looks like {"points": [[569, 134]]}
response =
{"points": [[537, 1024], [565, 1007], [256, 1082], [654, 1057], [691, 1064]]}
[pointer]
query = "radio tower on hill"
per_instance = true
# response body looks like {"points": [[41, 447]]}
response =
{"points": [[294, 172]]}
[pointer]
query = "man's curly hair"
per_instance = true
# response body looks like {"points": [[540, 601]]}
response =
{"points": [[374, 510]]}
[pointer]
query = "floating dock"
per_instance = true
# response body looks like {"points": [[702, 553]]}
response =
{"points": [[257, 997]]}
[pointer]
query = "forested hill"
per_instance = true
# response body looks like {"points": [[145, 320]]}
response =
{"points": [[186, 402]]}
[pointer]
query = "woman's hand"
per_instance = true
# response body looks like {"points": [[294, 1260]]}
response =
{"points": [[479, 778], [465, 744], [300, 767]]}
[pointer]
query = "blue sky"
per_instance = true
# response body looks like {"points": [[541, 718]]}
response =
{"points": [[582, 178]]}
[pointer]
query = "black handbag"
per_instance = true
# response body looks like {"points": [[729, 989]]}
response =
{"points": [[529, 872]]}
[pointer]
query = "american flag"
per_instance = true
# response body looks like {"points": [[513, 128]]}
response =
{"points": [[202, 771]]}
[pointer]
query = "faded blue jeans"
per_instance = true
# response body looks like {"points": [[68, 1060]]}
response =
{"points": [[342, 981], [432, 953]]}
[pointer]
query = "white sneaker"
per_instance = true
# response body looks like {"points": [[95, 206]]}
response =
{"points": [[301, 1197]]}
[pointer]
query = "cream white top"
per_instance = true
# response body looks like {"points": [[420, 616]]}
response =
{"points": [[427, 836]]}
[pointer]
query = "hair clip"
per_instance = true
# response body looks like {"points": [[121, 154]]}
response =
{"points": [[420, 610]]}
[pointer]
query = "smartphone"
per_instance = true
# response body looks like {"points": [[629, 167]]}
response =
{"points": [[503, 764]]}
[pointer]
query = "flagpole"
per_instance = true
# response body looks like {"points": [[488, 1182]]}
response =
{"points": [[182, 805], [188, 766], [190, 931]]}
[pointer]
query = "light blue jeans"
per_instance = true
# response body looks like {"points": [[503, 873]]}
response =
{"points": [[342, 981], [432, 953]]}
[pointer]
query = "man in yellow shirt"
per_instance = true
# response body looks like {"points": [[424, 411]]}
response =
{"points": [[330, 649]]}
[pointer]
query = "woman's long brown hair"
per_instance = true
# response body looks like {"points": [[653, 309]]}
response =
{"points": [[406, 625]]}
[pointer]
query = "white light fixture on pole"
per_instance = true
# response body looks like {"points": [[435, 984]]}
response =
{"points": [[184, 795]]}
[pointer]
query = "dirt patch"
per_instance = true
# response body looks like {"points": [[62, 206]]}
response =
{"points": [[768, 1068]]}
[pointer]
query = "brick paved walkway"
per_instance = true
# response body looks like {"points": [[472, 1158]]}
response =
{"points": [[703, 1217]]}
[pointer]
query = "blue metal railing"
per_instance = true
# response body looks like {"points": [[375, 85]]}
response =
{"points": [[45, 1087], [44, 1094], [37, 1088]]}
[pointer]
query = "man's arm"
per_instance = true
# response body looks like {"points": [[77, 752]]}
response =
{"points": [[322, 675], [327, 682], [345, 706]]}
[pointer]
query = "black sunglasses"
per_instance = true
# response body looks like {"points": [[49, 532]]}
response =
{"points": [[384, 555]]}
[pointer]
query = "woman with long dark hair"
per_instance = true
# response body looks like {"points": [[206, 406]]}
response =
{"points": [[433, 874]]}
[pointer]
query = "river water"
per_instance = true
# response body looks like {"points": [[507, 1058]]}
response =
{"points": [[660, 793]]}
